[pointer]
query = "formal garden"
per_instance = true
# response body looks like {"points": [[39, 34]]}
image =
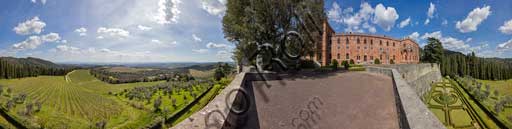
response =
{"points": [[451, 106]]}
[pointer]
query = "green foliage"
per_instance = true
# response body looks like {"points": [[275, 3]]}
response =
{"points": [[29, 67], [352, 61], [334, 64], [357, 69], [222, 70], [376, 61], [458, 64], [246, 22], [307, 64], [345, 64], [433, 51]]}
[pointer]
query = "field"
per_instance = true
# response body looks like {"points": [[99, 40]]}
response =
{"points": [[504, 92], [200, 73], [448, 101], [78, 100], [127, 69]]}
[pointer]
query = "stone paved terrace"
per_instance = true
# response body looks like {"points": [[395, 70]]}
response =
{"points": [[378, 98], [349, 100]]}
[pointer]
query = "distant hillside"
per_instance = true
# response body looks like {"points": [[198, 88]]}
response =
{"points": [[11, 67]]}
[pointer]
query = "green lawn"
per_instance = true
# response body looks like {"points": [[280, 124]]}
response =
{"points": [[458, 114], [504, 88], [483, 117], [79, 100]]}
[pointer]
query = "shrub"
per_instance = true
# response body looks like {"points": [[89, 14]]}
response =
{"points": [[357, 69], [376, 61], [345, 64], [352, 61], [334, 64], [307, 64]]}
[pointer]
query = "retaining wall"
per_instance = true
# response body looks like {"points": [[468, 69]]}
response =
{"points": [[418, 76], [412, 112]]}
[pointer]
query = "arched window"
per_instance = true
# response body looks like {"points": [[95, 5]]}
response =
{"points": [[357, 40], [364, 57], [347, 56], [338, 56], [364, 41], [381, 42], [347, 40], [387, 43], [338, 40], [371, 41]]}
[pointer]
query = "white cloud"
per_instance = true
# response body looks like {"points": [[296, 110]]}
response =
{"points": [[51, 37], [426, 22], [385, 17], [196, 39], [473, 19], [66, 48], [144, 28], [370, 28], [334, 13], [156, 41], [214, 45], [81, 31], [431, 10], [214, 7], [168, 11], [505, 46], [506, 28], [405, 22], [353, 20], [454, 44], [42, 1], [64, 41], [436, 35], [33, 26], [112, 32], [201, 51], [33, 42], [445, 22], [164, 44], [414, 35], [469, 39], [224, 55]]}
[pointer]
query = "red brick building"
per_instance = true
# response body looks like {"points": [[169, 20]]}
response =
{"points": [[364, 48]]}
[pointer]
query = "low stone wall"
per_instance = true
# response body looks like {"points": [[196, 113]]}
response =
{"points": [[214, 114], [418, 76], [412, 112]]}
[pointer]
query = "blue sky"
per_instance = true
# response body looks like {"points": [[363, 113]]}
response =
{"points": [[114, 30], [191, 30], [484, 27]]}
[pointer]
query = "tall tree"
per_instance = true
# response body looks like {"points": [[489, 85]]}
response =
{"points": [[433, 51], [265, 21]]}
